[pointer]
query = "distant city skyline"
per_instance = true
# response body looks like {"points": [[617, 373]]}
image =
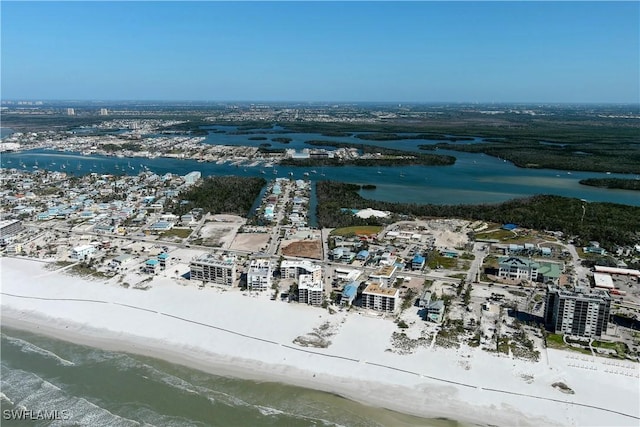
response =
{"points": [[413, 52]]}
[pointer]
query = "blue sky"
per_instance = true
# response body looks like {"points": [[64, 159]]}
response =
{"points": [[332, 51]]}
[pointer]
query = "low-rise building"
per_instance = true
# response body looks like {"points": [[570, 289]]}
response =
{"points": [[151, 266], [385, 275], [82, 252], [214, 268], [417, 263], [349, 293], [518, 268], [435, 311], [163, 260], [425, 299], [377, 297], [192, 177]]}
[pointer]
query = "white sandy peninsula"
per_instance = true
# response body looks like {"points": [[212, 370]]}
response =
{"points": [[228, 333]]}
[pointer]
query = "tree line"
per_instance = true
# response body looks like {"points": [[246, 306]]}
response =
{"points": [[220, 194], [608, 223]]}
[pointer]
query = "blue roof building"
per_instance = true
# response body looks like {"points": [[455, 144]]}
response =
{"points": [[417, 263], [509, 227], [349, 293], [363, 255]]}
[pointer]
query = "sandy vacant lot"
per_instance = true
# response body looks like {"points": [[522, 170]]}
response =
{"points": [[220, 230], [304, 249], [250, 241]]}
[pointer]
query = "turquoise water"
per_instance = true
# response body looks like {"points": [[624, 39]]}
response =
{"points": [[93, 387], [474, 178]]}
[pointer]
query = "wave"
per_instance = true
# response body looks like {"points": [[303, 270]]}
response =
{"points": [[27, 347], [31, 392]]}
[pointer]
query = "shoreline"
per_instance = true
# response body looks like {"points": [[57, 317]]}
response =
{"points": [[213, 365], [197, 329]]}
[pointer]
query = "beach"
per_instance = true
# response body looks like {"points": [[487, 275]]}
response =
{"points": [[229, 333]]}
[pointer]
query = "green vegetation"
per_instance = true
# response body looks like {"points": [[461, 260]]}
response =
{"points": [[608, 223], [555, 341], [395, 137], [409, 298], [435, 260], [336, 134], [497, 235], [121, 147], [578, 155], [388, 157], [182, 233], [620, 348], [221, 194], [282, 140], [624, 184], [357, 230], [553, 141]]}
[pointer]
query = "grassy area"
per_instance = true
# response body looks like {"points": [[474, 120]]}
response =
{"points": [[496, 234], [182, 233], [435, 260], [555, 341], [619, 347], [357, 230]]}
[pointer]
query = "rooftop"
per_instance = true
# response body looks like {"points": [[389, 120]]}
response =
{"points": [[374, 288]]}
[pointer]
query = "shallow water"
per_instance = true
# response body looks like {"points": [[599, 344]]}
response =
{"points": [[89, 386]]}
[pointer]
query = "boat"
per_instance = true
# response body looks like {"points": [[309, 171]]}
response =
{"points": [[263, 172], [306, 174], [314, 171]]}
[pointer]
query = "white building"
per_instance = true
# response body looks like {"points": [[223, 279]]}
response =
{"points": [[82, 252], [104, 112], [214, 268], [310, 291], [518, 268], [385, 275], [8, 229], [292, 269], [347, 274], [376, 297], [71, 112], [192, 177], [260, 275]]}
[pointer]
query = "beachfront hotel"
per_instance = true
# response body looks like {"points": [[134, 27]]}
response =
{"points": [[292, 269], [214, 268], [310, 291], [377, 297], [260, 275], [582, 313]]}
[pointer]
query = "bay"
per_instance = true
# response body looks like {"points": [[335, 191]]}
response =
{"points": [[474, 178]]}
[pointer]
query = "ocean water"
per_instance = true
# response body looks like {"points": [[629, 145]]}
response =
{"points": [[93, 387]]}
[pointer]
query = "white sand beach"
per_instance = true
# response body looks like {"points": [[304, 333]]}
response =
{"points": [[228, 333]]}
